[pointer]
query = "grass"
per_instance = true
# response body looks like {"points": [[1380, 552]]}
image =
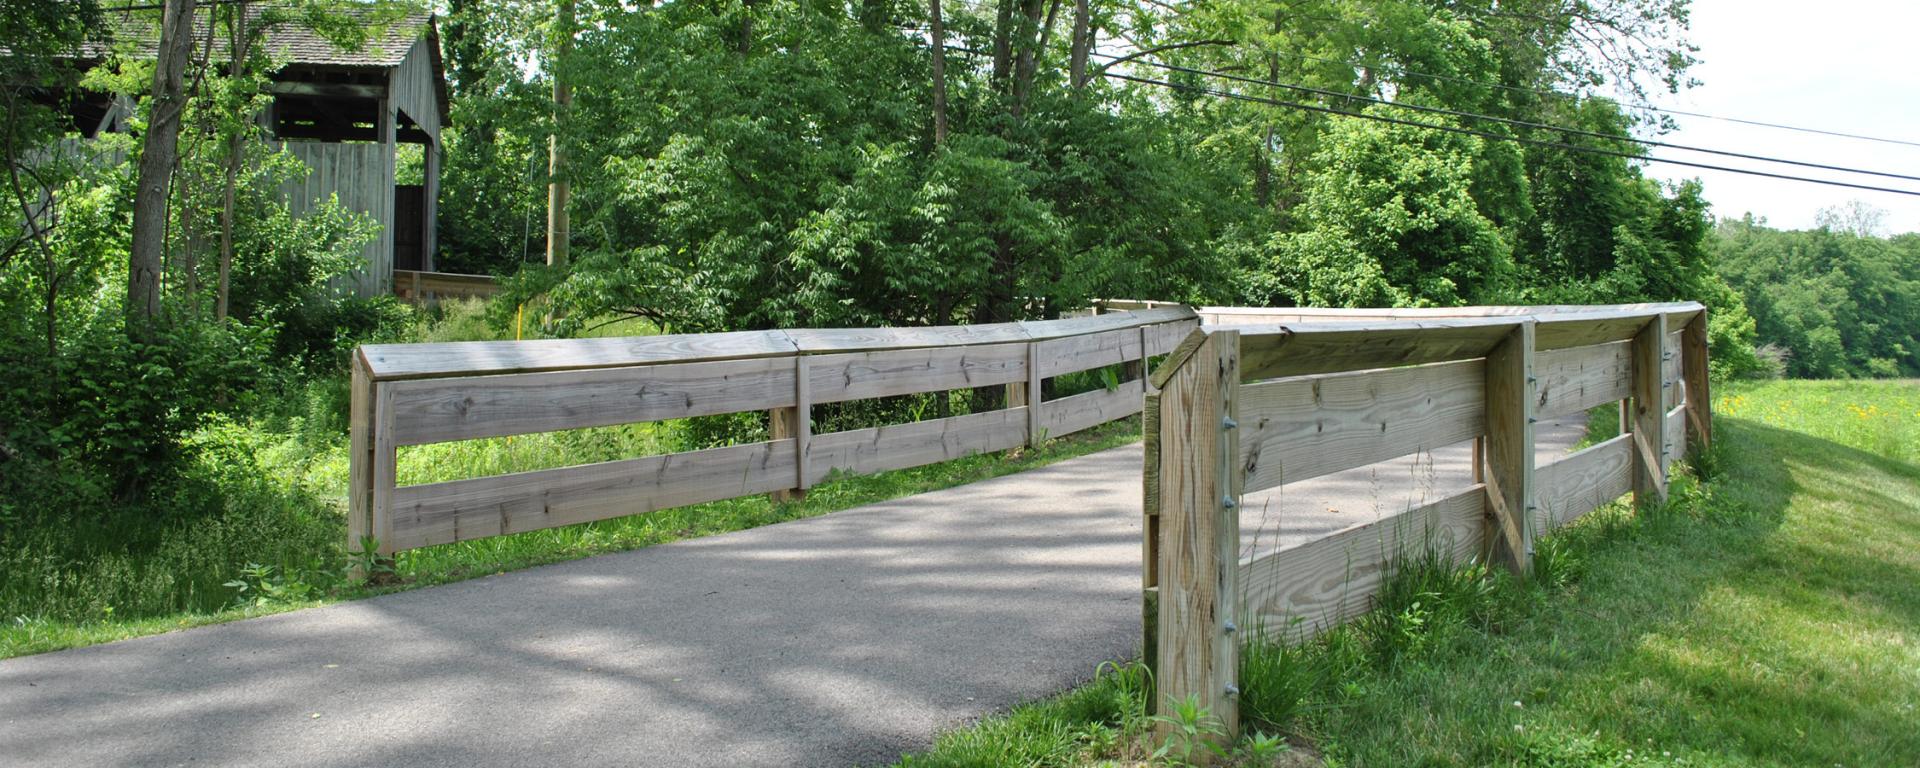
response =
{"points": [[259, 525], [1770, 617]]}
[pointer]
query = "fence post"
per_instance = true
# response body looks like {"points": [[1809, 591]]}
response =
{"points": [[1649, 412], [359, 462], [1699, 397], [1150, 538], [1199, 541], [1032, 395], [795, 423], [1508, 450]]}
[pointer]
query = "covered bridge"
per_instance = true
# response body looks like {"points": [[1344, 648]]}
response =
{"points": [[353, 116]]}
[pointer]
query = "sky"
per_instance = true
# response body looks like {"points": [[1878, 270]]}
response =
{"points": [[1840, 65]]}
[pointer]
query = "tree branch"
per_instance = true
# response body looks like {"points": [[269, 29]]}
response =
{"points": [[1159, 49]]}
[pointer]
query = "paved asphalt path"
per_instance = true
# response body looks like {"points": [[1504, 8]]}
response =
{"points": [[838, 640]]}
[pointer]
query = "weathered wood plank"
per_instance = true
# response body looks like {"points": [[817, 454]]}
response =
{"points": [[897, 446], [1296, 593], [385, 471], [491, 506], [360, 463], [1048, 329], [1199, 533], [1275, 351], [1578, 378], [1558, 326], [1301, 428], [437, 410], [1699, 391], [1163, 337], [882, 373], [821, 341], [1649, 423], [1094, 350], [473, 358], [1073, 413], [1509, 449], [1583, 482], [1675, 445]]}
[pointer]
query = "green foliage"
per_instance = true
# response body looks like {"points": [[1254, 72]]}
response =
{"points": [[1828, 303]]}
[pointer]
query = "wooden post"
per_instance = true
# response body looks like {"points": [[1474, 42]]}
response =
{"points": [[1199, 543], [1032, 396], [1649, 414], [385, 470], [795, 424], [1150, 536], [1508, 451], [1699, 397], [359, 462]]}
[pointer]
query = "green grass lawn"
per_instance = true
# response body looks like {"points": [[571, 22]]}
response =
{"points": [[1770, 617]]}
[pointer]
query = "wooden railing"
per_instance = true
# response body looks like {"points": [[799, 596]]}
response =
{"points": [[420, 287], [1259, 398], [412, 394]]}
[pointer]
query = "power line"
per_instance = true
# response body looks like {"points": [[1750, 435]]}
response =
{"points": [[1633, 105], [1512, 121], [1496, 136]]}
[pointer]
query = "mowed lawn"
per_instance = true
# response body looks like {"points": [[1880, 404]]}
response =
{"points": [[1770, 617]]}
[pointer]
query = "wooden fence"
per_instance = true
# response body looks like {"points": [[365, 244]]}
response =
{"points": [[412, 394], [1259, 398], [421, 287]]}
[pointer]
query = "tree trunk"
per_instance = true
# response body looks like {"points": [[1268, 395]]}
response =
{"points": [[1082, 44], [939, 75], [160, 148], [239, 44], [559, 190]]}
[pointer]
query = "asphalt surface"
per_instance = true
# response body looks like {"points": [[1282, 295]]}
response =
{"points": [[839, 640]]}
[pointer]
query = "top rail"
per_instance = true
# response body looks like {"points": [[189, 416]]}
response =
{"points": [[392, 362]]}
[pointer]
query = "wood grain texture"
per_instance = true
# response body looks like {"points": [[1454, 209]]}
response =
{"points": [[1161, 338], [385, 470], [1558, 326], [1301, 428], [360, 462], [1199, 533], [1694, 363], [1294, 594], [1275, 351], [1048, 329], [437, 410], [821, 341], [1073, 413], [1095, 350], [1649, 422], [389, 362], [1509, 448], [860, 375], [1581, 482], [897, 446], [1578, 378], [1675, 432], [492, 506]]}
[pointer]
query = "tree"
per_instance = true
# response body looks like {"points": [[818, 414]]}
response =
{"points": [[559, 186], [159, 152]]}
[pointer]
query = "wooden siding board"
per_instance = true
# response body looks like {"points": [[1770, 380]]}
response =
{"points": [[897, 446], [1581, 482], [1575, 379]]}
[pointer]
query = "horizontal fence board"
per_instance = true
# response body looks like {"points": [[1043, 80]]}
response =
{"points": [[438, 410], [829, 340], [1577, 378], [860, 375], [1268, 352], [1558, 326], [474, 358], [1559, 331], [1073, 413], [1162, 338], [1581, 482], [897, 446], [1094, 350], [1048, 329], [1296, 593], [1296, 429], [440, 513]]}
